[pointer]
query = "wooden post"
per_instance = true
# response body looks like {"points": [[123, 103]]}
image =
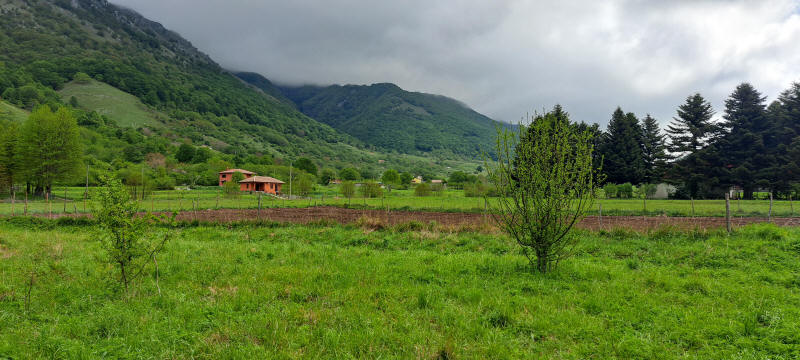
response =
{"points": [[692, 199], [13, 199], [600, 209], [791, 206], [86, 189], [65, 199], [259, 206], [728, 211], [769, 217], [49, 206], [152, 203], [217, 207], [26, 201]]}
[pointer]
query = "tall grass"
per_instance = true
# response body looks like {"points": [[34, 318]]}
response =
{"points": [[419, 292]]}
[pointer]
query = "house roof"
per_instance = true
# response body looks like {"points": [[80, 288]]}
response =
{"points": [[243, 171], [262, 179]]}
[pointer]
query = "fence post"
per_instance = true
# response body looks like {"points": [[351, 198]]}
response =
{"points": [[791, 207], [728, 211], [49, 205], [600, 207], [86, 189], [692, 199], [769, 217], [259, 206], [13, 199], [65, 199], [26, 201]]}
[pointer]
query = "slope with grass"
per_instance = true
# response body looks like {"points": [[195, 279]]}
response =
{"points": [[125, 109], [407, 292], [10, 112]]}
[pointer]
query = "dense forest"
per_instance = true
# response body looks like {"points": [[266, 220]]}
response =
{"points": [[755, 147], [392, 119]]}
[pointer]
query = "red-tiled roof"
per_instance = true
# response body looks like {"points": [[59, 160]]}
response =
{"points": [[262, 179], [243, 171]]}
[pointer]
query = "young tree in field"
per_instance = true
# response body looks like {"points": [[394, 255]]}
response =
{"points": [[232, 188], [622, 149], [390, 178], [10, 164], [371, 189], [51, 147], [347, 189], [127, 238], [654, 150], [689, 133], [423, 189], [545, 182]]}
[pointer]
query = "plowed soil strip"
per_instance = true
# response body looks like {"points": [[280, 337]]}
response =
{"points": [[348, 216]]}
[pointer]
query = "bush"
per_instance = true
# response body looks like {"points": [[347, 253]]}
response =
{"points": [[475, 190], [371, 189], [625, 190], [610, 190], [423, 189]]}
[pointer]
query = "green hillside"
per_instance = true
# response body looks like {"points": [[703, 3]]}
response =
{"points": [[107, 100], [11, 112], [146, 75], [393, 119]]}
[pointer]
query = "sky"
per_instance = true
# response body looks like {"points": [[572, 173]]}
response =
{"points": [[506, 58]]}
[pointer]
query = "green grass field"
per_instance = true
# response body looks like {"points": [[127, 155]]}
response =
{"points": [[12, 113], [450, 201], [107, 100], [345, 292]]}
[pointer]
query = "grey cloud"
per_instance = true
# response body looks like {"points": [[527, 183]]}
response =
{"points": [[506, 57]]}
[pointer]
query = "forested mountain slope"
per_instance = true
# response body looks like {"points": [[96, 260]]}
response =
{"points": [[390, 118], [46, 43]]}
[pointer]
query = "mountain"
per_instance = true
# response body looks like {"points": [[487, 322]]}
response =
{"points": [[390, 118], [45, 44]]}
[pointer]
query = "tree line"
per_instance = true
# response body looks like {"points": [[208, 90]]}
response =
{"points": [[754, 147]]}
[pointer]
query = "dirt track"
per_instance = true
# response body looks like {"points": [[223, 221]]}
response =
{"points": [[346, 216]]}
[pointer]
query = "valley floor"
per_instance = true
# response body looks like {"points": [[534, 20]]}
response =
{"points": [[306, 291]]}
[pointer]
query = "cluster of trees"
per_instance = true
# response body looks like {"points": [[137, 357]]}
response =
{"points": [[755, 146], [44, 150]]}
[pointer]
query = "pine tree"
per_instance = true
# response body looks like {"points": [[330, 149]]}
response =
{"points": [[654, 150], [745, 127], [689, 133], [784, 141], [622, 149]]}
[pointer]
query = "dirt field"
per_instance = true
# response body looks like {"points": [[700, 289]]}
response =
{"points": [[347, 216]]}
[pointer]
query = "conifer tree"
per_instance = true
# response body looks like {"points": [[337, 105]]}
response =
{"points": [[745, 127], [689, 133], [654, 150], [622, 149]]}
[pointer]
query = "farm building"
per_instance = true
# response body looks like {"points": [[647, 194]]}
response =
{"points": [[261, 183], [227, 175]]}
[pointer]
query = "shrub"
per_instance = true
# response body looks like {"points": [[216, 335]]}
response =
{"points": [[127, 238], [371, 189], [423, 189]]}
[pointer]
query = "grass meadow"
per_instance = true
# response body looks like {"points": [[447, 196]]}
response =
{"points": [[448, 201], [413, 291]]}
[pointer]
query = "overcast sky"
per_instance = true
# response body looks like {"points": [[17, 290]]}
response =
{"points": [[505, 58]]}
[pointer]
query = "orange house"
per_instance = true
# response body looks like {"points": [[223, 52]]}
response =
{"points": [[227, 175], [261, 183]]}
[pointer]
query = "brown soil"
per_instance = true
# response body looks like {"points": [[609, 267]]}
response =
{"points": [[347, 216]]}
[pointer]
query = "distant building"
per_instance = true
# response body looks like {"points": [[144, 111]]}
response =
{"points": [[227, 175], [336, 182], [261, 183], [436, 181], [417, 180]]}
